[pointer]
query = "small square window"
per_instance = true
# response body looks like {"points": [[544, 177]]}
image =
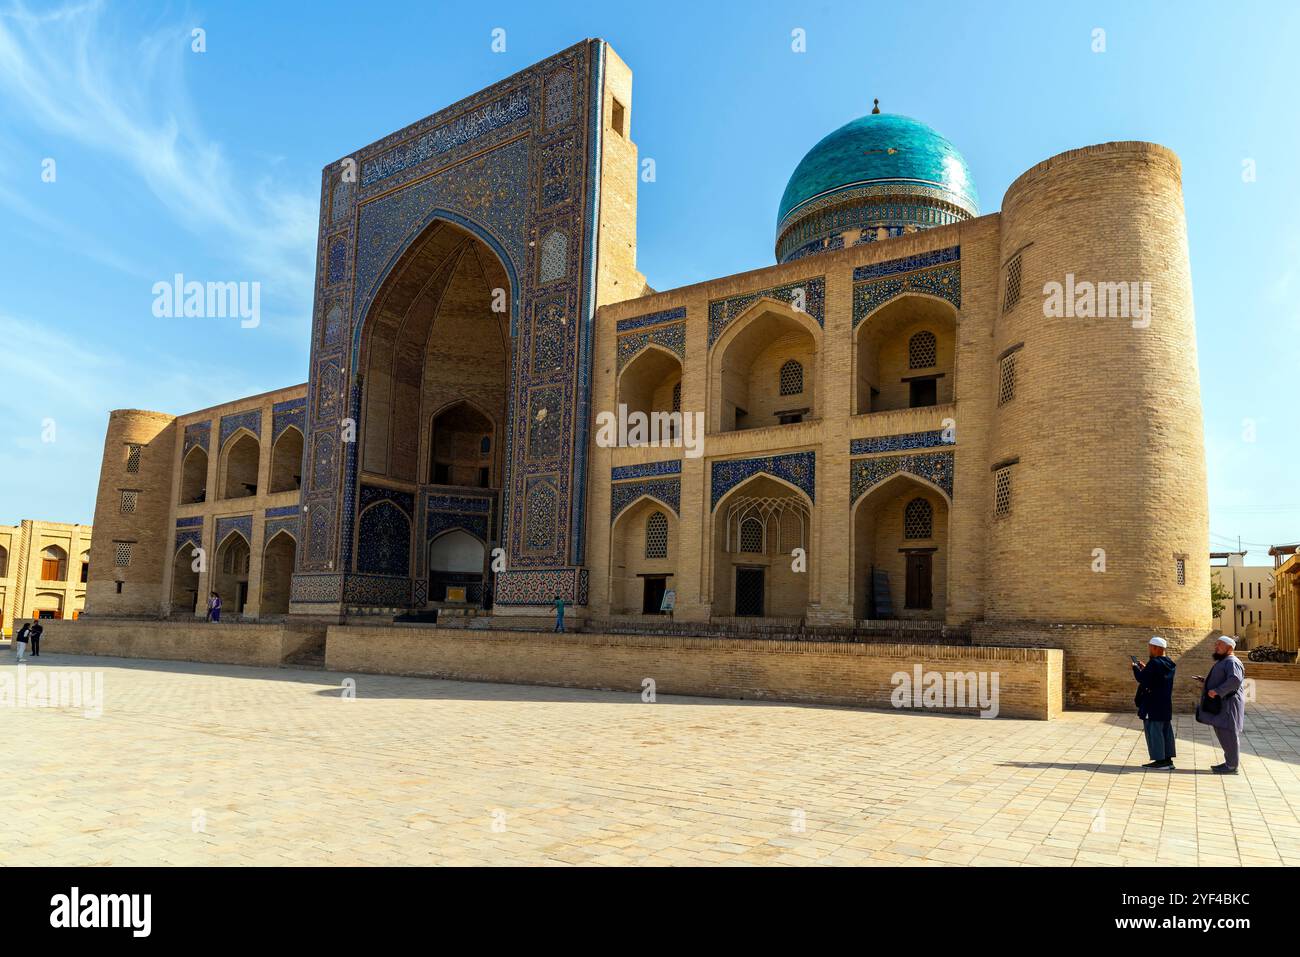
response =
{"points": [[121, 554], [617, 117], [133, 458], [1002, 493]]}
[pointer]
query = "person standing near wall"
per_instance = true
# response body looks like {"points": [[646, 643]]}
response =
{"points": [[559, 614], [34, 636], [1155, 703], [214, 607], [1222, 706], [20, 640]]}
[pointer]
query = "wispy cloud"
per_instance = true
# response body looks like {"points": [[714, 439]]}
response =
{"points": [[53, 431], [67, 73]]}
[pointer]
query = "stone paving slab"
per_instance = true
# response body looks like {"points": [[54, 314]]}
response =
{"points": [[224, 765]]}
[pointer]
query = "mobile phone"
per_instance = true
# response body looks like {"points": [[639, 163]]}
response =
{"points": [[1133, 658]]}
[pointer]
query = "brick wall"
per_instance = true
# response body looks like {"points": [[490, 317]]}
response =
{"points": [[238, 644], [1029, 680]]}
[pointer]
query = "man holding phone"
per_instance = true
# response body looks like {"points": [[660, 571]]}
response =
{"points": [[1155, 703], [1222, 706]]}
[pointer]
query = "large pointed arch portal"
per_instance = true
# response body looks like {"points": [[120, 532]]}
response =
{"points": [[472, 229]]}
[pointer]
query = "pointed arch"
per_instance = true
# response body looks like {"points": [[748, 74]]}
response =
{"points": [[194, 476], [886, 344], [286, 460], [241, 456], [278, 556], [897, 574], [745, 365]]}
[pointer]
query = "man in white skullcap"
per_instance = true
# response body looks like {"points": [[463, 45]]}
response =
{"points": [[1155, 703], [1222, 706]]}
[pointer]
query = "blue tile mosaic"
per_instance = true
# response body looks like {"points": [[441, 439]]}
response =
{"points": [[813, 291], [197, 434], [797, 468], [666, 490], [189, 536], [509, 108], [935, 467], [671, 337], [383, 540], [316, 589], [891, 267], [230, 424], [243, 524], [521, 184], [290, 413], [943, 282], [897, 443], [377, 493], [540, 586], [283, 511], [651, 319], [646, 470], [275, 526], [194, 521]]}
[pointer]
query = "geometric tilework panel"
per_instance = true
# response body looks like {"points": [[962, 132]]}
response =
{"points": [[646, 470], [285, 414], [892, 267], [242, 524], [384, 540], [797, 468], [513, 165], [197, 434], [671, 337], [540, 587], [651, 319], [251, 420], [865, 474], [813, 291], [897, 443], [666, 490], [943, 282]]}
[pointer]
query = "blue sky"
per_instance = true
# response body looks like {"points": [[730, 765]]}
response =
{"points": [[208, 164]]}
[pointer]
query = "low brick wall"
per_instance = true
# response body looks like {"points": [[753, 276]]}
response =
{"points": [[225, 643], [1270, 670], [1029, 680], [1098, 673]]}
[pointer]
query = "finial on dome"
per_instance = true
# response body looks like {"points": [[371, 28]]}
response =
{"points": [[876, 109]]}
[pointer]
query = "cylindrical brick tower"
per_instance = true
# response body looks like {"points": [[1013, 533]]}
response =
{"points": [[1097, 497], [132, 540]]}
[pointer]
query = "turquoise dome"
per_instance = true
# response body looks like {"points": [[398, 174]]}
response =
{"points": [[879, 172]]}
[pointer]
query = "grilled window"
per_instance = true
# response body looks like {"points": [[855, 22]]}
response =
{"points": [[129, 498], [121, 554], [1012, 295], [751, 536], [1180, 569], [133, 458], [1002, 493], [656, 536], [922, 351], [791, 378], [918, 519], [1007, 379]]}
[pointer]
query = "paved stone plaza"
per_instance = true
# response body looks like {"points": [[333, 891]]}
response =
{"points": [[223, 765]]}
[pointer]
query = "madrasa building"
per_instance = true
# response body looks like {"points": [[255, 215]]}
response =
{"points": [[947, 421]]}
